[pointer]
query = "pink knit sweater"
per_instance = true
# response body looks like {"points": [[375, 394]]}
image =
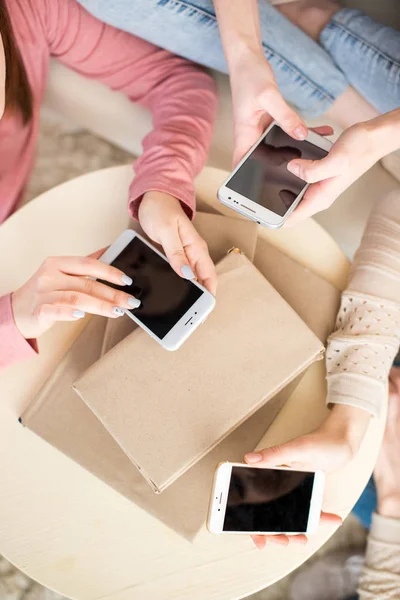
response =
{"points": [[182, 99]]}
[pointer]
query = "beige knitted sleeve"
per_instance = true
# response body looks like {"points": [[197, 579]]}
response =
{"points": [[381, 574], [366, 339]]}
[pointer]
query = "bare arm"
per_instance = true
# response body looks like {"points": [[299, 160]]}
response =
{"points": [[255, 92]]}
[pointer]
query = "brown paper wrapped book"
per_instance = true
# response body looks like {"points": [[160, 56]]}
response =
{"points": [[59, 416], [167, 410]]}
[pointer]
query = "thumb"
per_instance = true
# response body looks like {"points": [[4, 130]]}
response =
{"points": [[245, 137], [331, 518], [312, 171], [171, 242], [291, 454], [276, 106]]}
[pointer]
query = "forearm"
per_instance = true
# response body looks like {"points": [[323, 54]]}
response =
{"points": [[183, 105], [239, 25], [366, 339], [384, 133]]}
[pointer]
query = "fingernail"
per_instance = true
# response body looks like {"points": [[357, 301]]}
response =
{"points": [[301, 133], [134, 302], [294, 168], [118, 311], [187, 272], [253, 457], [78, 314], [127, 280]]}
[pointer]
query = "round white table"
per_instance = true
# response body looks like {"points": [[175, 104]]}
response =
{"points": [[71, 532]]}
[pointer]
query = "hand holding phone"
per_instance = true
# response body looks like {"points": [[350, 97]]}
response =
{"points": [[265, 502], [64, 289], [163, 219], [261, 187], [171, 307]]}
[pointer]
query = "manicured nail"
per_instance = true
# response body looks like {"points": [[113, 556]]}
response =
{"points": [[294, 168], [300, 133], [78, 314], [187, 272], [118, 311], [127, 280], [253, 457], [134, 302]]}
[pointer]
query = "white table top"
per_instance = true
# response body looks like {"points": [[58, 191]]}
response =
{"points": [[71, 532]]}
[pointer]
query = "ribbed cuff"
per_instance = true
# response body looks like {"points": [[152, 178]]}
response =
{"points": [[140, 187], [385, 530], [353, 389]]}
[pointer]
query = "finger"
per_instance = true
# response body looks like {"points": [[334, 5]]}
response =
{"points": [[279, 540], [259, 541], [245, 137], [207, 273], [85, 303], [202, 263], [319, 196], [174, 251], [48, 314], [331, 518], [94, 288], [323, 130], [98, 253], [274, 104], [87, 267], [289, 454], [312, 171], [298, 539]]}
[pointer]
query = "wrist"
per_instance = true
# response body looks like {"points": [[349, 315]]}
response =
{"points": [[158, 200], [244, 51], [350, 424], [384, 133], [239, 24], [389, 505]]}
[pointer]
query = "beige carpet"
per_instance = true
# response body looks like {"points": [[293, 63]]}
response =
{"points": [[64, 153]]}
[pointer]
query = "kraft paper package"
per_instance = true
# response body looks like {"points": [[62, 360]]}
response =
{"points": [[168, 409], [60, 417]]}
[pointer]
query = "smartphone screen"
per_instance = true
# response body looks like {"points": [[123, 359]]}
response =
{"points": [[268, 500], [264, 178], [165, 297]]}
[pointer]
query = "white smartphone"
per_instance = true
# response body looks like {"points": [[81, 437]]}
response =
{"points": [[250, 500], [261, 188], [171, 307]]}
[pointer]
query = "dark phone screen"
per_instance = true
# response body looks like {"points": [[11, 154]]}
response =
{"points": [[165, 297], [264, 178], [268, 500]]}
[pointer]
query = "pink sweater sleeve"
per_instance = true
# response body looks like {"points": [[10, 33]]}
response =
{"points": [[181, 96], [13, 346]]}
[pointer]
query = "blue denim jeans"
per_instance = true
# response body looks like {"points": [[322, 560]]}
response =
{"points": [[368, 54], [354, 50]]}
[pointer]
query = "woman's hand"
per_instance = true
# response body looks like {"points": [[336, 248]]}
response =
{"points": [[356, 151], [257, 101], [63, 289], [255, 94], [165, 222], [330, 447]]}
